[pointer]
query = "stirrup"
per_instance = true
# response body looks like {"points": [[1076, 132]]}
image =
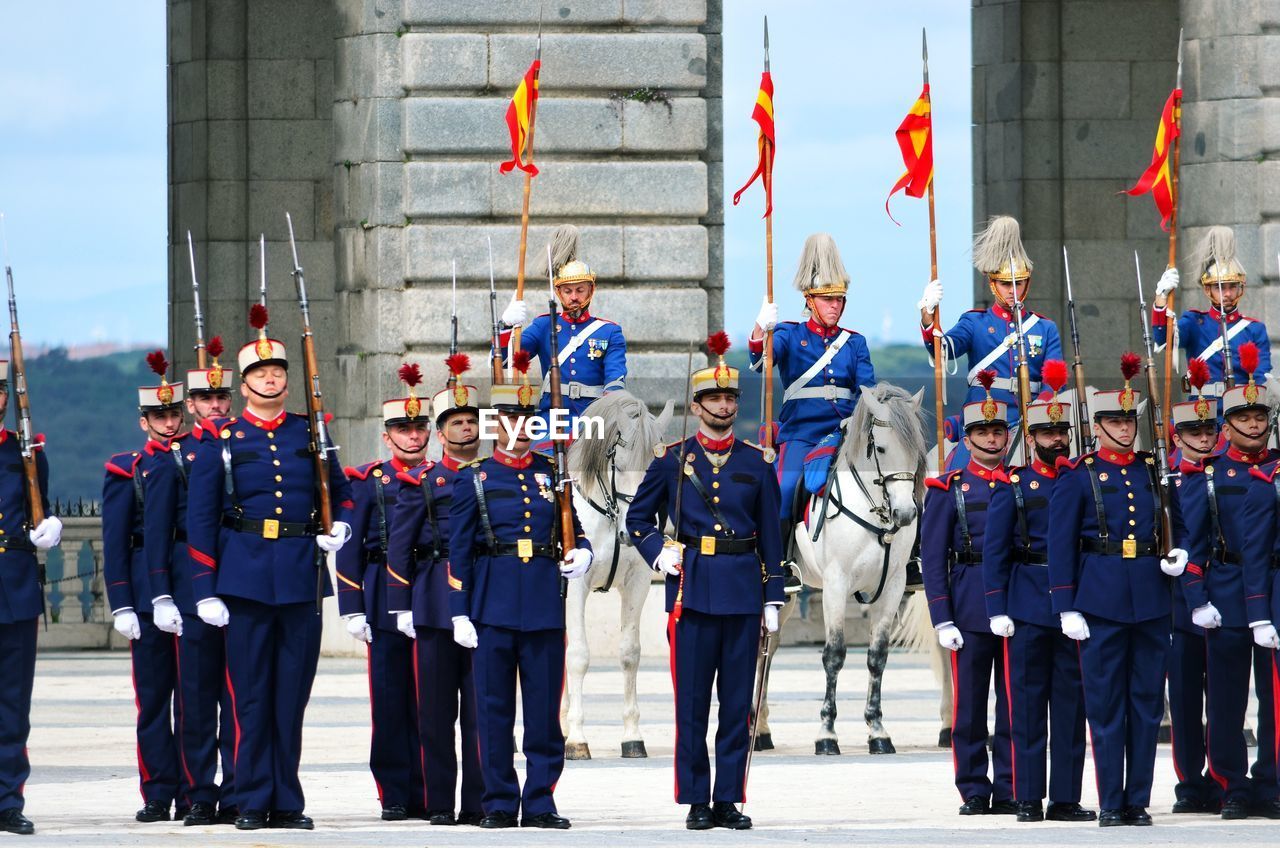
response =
{"points": [[791, 582]]}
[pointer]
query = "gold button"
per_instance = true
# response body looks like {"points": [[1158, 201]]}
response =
{"points": [[1132, 508], [519, 476], [279, 510], [1124, 471], [991, 485], [524, 488], [715, 499], [715, 484], [528, 515], [715, 471], [271, 435], [526, 500], [1130, 496], [527, 529], [273, 447], [717, 527], [1, 550], [279, 494], [1130, 535], [1132, 522], [275, 462], [278, 478]]}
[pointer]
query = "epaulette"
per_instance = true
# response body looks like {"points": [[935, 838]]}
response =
{"points": [[123, 464], [1070, 464], [660, 450], [1267, 473], [361, 472], [977, 309], [766, 454], [942, 481]]}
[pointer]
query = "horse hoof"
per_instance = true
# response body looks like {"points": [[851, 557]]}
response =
{"points": [[944, 737], [881, 745], [634, 750], [577, 751], [826, 748], [764, 742]]}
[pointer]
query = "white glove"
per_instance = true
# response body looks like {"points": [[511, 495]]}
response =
{"points": [[771, 618], [213, 612], [1168, 282], [464, 632], [768, 317], [1206, 616], [333, 541], [576, 563], [165, 615], [515, 313], [404, 623], [949, 637], [1002, 625], [1174, 562], [358, 627], [1265, 636], [1074, 626], [126, 624], [932, 296], [47, 534], [668, 562]]}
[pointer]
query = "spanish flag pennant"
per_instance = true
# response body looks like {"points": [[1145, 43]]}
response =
{"points": [[915, 139], [762, 114], [1157, 179], [520, 120]]}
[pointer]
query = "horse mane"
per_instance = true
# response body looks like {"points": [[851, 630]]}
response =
{"points": [[589, 457], [906, 421]]}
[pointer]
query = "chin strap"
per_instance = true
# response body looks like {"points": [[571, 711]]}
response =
{"points": [[1123, 445], [267, 397]]}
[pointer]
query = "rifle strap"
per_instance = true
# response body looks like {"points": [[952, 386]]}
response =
{"points": [[483, 506]]}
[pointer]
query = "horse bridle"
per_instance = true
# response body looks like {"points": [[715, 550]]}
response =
{"points": [[610, 508], [885, 531]]}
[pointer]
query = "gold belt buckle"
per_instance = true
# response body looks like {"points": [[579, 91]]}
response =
{"points": [[1129, 549], [270, 528], [708, 545], [524, 548]]}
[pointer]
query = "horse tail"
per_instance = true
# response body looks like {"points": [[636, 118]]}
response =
{"points": [[915, 629]]}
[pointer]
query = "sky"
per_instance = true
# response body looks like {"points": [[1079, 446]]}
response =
{"points": [[83, 168]]}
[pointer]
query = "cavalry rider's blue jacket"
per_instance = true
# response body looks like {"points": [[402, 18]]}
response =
{"points": [[1016, 548], [1234, 578], [1125, 587], [273, 478], [593, 357], [1200, 336], [360, 564], [21, 596], [829, 395], [988, 337], [952, 569]]}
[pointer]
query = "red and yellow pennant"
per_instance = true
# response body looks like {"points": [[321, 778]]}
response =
{"points": [[1157, 178], [762, 114], [915, 139], [519, 120]]}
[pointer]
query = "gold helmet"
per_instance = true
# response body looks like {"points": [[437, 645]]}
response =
{"points": [[566, 267], [1217, 262], [994, 249]]}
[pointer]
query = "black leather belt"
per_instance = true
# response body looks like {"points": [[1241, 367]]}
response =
{"points": [[427, 553], [1226, 557], [269, 528], [1028, 557], [17, 543], [712, 545], [1127, 548], [525, 550], [966, 558]]}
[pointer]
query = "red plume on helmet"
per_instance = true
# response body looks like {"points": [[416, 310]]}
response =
{"points": [[520, 361], [1197, 373], [1130, 363], [1248, 359], [718, 343], [457, 363], [258, 316], [986, 377], [1054, 374], [157, 363], [214, 347], [410, 374]]}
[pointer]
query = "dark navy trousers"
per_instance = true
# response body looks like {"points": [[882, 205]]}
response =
{"points": [[446, 693], [1231, 658], [394, 752], [1186, 718], [154, 657], [18, 644], [972, 668], [206, 732]]}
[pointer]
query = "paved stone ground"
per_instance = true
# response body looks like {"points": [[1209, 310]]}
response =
{"points": [[84, 787]]}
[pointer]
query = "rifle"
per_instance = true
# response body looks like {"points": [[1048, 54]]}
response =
{"points": [[495, 344], [262, 269], [1156, 419], [320, 446], [561, 483], [678, 606], [1077, 367], [26, 443], [1024, 362], [201, 358], [1228, 369], [453, 313]]}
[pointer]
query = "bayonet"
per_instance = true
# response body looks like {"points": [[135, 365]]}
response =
{"points": [[201, 358], [1084, 431], [1156, 418], [1179, 82], [495, 341], [1023, 361], [453, 313], [766, 44], [1228, 368], [262, 269], [924, 53]]}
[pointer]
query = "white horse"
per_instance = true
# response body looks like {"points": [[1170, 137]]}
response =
{"points": [[606, 473], [857, 540]]}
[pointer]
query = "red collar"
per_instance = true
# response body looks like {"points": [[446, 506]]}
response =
{"points": [[1247, 458], [4, 434], [1116, 458], [1005, 314], [982, 471], [454, 464], [152, 447], [397, 465], [262, 422], [581, 319], [713, 445], [1043, 470], [818, 329], [1232, 316], [507, 459]]}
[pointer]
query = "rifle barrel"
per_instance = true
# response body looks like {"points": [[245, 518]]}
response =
{"points": [[1156, 418]]}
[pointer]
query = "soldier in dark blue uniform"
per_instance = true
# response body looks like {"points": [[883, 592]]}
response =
{"points": [[1224, 507], [150, 626], [952, 541], [823, 367], [1195, 433], [255, 543], [724, 584], [417, 578], [394, 753], [989, 336], [1105, 569], [505, 569], [21, 603], [593, 350], [1042, 677]]}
